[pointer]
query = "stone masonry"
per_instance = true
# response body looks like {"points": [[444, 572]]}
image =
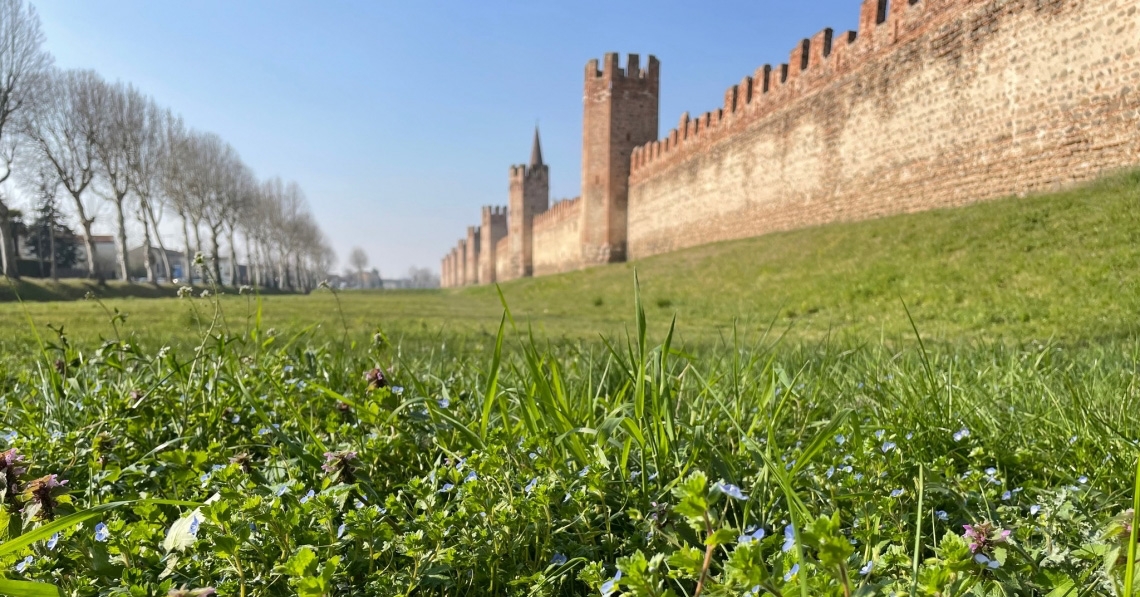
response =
{"points": [[932, 103]]}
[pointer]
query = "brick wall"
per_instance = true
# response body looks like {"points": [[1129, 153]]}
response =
{"points": [[943, 103], [556, 238], [502, 260]]}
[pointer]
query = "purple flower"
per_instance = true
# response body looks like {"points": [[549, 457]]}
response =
{"points": [[11, 469], [43, 493], [983, 535], [340, 465], [375, 379]]}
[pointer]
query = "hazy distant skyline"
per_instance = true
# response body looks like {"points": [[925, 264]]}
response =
{"points": [[401, 119]]}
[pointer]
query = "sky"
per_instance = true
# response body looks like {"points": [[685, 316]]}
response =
{"points": [[400, 119]]}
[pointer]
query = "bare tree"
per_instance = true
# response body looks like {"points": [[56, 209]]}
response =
{"points": [[359, 260], [63, 128], [176, 176], [113, 104], [146, 153], [23, 65]]}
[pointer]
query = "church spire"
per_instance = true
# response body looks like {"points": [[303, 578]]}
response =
{"points": [[536, 151]]}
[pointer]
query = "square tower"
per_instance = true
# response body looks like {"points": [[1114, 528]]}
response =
{"points": [[620, 110], [529, 196]]}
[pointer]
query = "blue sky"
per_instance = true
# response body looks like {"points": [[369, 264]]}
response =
{"points": [[400, 119]]}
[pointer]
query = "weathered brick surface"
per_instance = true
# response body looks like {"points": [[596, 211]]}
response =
{"points": [[502, 260], [471, 266], [557, 246], [529, 196], [944, 103], [619, 114], [492, 230]]}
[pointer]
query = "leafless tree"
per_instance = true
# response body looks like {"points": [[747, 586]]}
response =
{"points": [[146, 154], [23, 66], [115, 105], [62, 128], [176, 176], [422, 277], [358, 259]]}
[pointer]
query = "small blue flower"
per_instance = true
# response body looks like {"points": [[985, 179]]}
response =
{"points": [[263, 431], [531, 485], [789, 539], [236, 419], [51, 543], [790, 574], [610, 585], [567, 498], [751, 534], [281, 490], [1082, 479], [840, 439], [991, 471], [340, 530], [961, 434], [897, 492], [397, 390], [987, 562], [558, 559], [858, 476], [830, 471], [288, 368], [471, 476], [584, 471], [1034, 509], [879, 434], [1072, 440], [942, 515], [194, 524], [888, 446], [102, 533], [205, 479], [308, 496], [1006, 495], [730, 490], [446, 487], [23, 565], [867, 568], [443, 402], [9, 436], [910, 436]]}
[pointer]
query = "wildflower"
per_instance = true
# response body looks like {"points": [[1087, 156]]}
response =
{"points": [[558, 559], [185, 291], [194, 525], [23, 565], [341, 465], [264, 431], [102, 533], [961, 434], [1072, 440], [789, 538], [205, 294], [11, 470], [867, 568], [9, 436], [991, 471], [941, 515], [879, 434], [751, 534], [730, 490], [281, 490], [830, 471], [790, 574], [585, 471], [982, 535], [243, 462], [184, 592], [1006, 495], [1082, 479], [340, 530], [531, 485], [888, 446], [909, 436], [443, 402], [51, 543], [308, 496], [1034, 509], [840, 439], [42, 494], [471, 476], [235, 420], [398, 390], [987, 561], [446, 487], [610, 585], [375, 379], [896, 493]]}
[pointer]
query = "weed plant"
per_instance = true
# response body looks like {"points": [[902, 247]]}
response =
{"points": [[264, 463]]}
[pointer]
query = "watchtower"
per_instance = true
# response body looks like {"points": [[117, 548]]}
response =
{"points": [[620, 110], [529, 196]]}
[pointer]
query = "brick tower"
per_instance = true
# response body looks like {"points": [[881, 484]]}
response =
{"points": [[529, 196], [620, 110]]}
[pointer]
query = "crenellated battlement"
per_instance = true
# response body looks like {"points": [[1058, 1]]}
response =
{"points": [[813, 65], [521, 172], [612, 70], [558, 213], [493, 213]]}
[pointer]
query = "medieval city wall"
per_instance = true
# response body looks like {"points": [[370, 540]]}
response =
{"points": [[503, 260], [557, 239], [942, 103]]}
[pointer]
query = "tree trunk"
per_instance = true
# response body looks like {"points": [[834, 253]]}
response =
{"points": [[7, 246], [216, 256], [187, 258], [248, 280], [121, 242], [88, 245], [148, 261], [161, 245], [233, 261]]}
